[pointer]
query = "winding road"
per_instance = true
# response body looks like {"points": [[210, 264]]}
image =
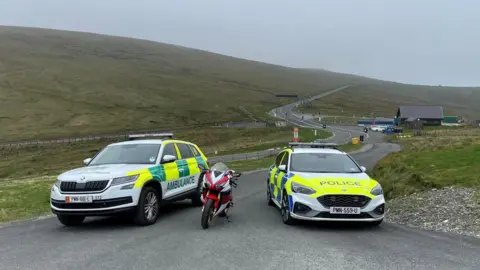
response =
{"points": [[255, 239]]}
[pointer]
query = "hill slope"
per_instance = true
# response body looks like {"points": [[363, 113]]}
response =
{"points": [[57, 83], [60, 83], [382, 99]]}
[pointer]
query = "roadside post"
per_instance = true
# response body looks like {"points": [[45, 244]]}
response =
{"points": [[295, 134]]}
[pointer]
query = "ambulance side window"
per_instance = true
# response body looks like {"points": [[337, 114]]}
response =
{"points": [[185, 151], [169, 149], [194, 151], [279, 158]]}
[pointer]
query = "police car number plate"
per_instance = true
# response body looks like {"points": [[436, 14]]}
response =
{"points": [[345, 210], [78, 199]]}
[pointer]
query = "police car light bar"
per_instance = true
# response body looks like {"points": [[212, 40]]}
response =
{"points": [[154, 135], [313, 145]]}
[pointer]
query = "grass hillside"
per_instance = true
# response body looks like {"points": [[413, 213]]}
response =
{"points": [[383, 98], [61, 83], [58, 83], [439, 158]]}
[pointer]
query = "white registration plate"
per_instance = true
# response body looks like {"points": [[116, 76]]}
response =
{"points": [[79, 199], [345, 210]]}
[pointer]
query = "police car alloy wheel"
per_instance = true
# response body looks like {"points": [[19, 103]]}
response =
{"points": [[69, 220], [285, 210], [148, 207], [269, 195]]}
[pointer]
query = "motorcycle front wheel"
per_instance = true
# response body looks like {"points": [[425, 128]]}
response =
{"points": [[207, 214]]}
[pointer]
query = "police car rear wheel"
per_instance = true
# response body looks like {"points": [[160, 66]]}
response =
{"points": [[285, 210], [269, 196], [69, 220], [148, 207]]}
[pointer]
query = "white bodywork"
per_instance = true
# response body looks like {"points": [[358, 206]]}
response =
{"points": [[109, 172], [316, 206], [98, 173]]}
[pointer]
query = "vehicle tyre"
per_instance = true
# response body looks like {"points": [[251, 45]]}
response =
{"points": [[196, 201], [285, 210], [70, 220], [207, 214], [377, 223], [269, 196], [148, 207]]}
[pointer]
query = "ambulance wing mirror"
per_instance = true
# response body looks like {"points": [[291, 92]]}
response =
{"points": [[363, 168], [87, 161], [168, 159], [202, 168], [283, 168]]}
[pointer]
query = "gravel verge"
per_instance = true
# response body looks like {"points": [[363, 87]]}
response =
{"points": [[452, 209]]}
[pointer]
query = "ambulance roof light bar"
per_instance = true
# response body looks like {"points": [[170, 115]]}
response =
{"points": [[166, 135]]}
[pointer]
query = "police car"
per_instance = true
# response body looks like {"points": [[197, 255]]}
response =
{"points": [[133, 177], [315, 181]]}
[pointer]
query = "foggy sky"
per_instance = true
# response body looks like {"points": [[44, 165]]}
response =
{"points": [[421, 41]]}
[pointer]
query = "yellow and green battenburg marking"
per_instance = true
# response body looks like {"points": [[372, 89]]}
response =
{"points": [[160, 174]]}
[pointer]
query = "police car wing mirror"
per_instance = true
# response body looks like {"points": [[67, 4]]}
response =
{"points": [[283, 168], [87, 161], [363, 168], [168, 159]]}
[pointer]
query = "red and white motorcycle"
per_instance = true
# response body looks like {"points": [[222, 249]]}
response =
{"points": [[217, 185]]}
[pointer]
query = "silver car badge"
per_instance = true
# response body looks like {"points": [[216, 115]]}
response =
{"points": [[82, 178]]}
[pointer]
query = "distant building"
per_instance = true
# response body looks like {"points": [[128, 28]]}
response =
{"points": [[428, 115], [377, 121], [414, 123], [450, 119]]}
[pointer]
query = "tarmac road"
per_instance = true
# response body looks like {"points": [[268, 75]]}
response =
{"points": [[256, 239]]}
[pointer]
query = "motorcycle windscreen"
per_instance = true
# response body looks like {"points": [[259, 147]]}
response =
{"points": [[219, 168]]}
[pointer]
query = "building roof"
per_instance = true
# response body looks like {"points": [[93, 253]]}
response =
{"points": [[420, 111]]}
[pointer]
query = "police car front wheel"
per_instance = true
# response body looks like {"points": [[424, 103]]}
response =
{"points": [[69, 220], [285, 210]]}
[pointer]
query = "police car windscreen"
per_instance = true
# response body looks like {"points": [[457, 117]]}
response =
{"points": [[323, 163], [127, 154]]}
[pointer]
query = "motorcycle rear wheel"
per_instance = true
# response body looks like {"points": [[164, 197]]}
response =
{"points": [[207, 214]]}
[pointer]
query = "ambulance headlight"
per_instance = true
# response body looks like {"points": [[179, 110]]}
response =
{"points": [[124, 180]]}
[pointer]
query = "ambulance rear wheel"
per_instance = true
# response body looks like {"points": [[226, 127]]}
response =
{"points": [[196, 196]]}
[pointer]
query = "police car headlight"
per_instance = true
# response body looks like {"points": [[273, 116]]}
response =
{"points": [[377, 190], [298, 188], [124, 180]]}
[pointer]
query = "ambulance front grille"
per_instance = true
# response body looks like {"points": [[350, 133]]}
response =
{"points": [[83, 187]]}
